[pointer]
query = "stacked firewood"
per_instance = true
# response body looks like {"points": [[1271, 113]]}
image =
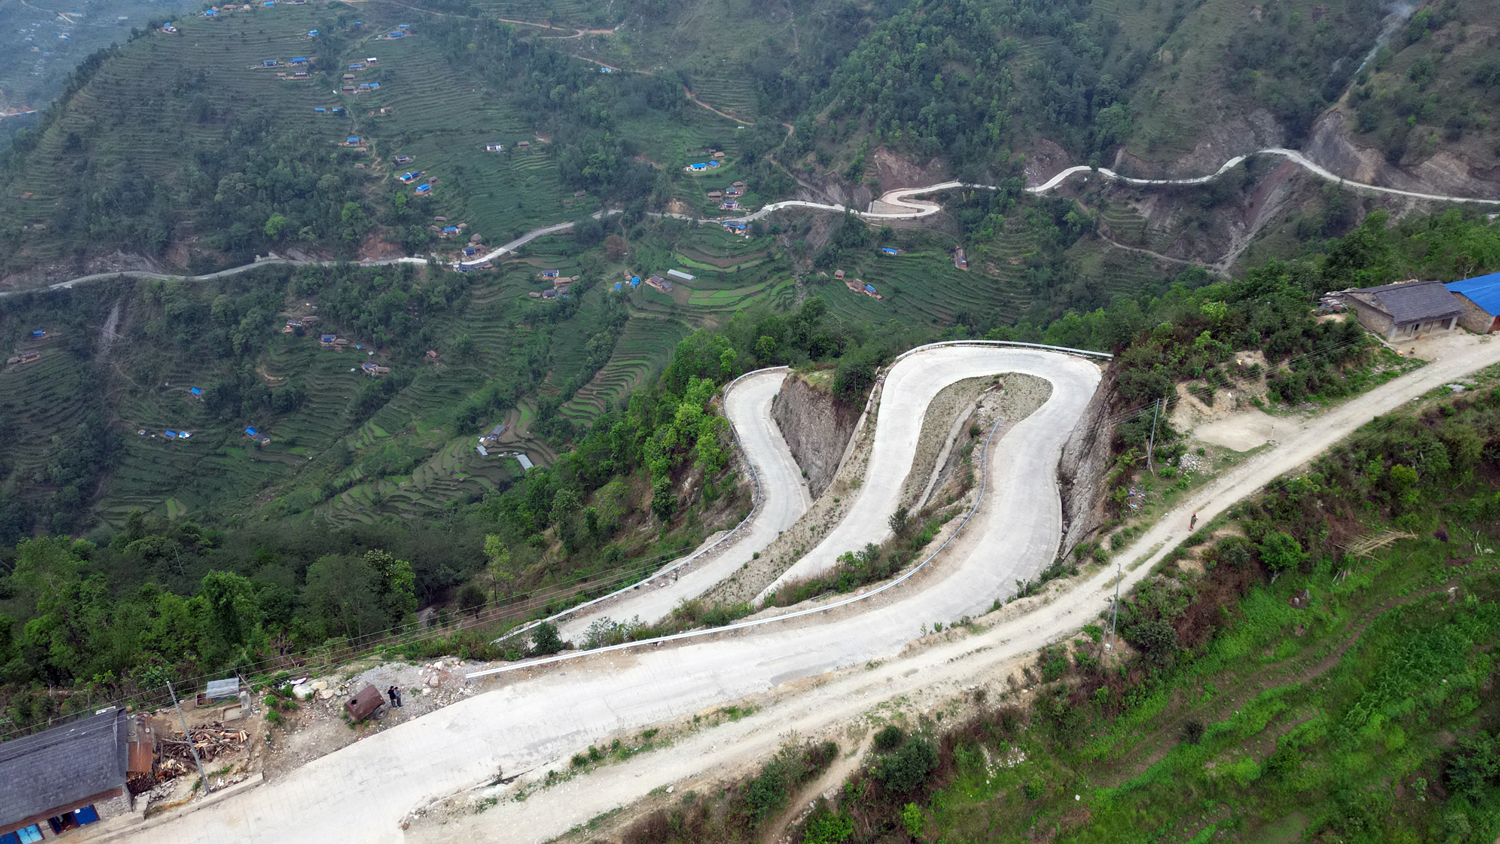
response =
{"points": [[210, 742]]}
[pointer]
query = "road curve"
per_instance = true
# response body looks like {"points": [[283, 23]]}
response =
{"points": [[535, 720], [909, 388], [782, 497]]}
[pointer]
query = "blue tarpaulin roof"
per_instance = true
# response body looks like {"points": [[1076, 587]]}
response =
{"points": [[197, 391], [251, 431], [1483, 291]]}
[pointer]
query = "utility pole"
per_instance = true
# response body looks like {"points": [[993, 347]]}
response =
{"points": [[1151, 447], [189, 736]]}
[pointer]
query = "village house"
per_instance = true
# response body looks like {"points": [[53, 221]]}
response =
{"points": [[838, 274], [715, 194], [373, 369], [960, 260], [405, 159], [737, 185], [494, 147], [1405, 310], [72, 776], [523, 145], [659, 283], [432, 354], [1480, 299], [327, 340]]}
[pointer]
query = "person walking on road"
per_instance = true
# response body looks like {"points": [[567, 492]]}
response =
{"points": [[1193, 522]]}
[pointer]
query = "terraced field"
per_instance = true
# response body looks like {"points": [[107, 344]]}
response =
{"points": [[643, 349]]}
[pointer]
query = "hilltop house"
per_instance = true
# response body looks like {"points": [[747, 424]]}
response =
{"points": [[1405, 310], [71, 776], [1480, 299]]}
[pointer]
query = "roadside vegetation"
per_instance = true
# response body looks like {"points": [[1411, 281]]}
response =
{"points": [[1315, 665]]}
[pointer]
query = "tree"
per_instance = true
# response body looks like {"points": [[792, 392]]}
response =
{"points": [[233, 614], [1281, 551], [900, 521], [498, 567], [342, 597], [471, 599], [397, 585], [615, 248]]}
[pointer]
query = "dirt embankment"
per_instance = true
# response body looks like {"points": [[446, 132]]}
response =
{"points": [[816, 425], [1085, 463]]}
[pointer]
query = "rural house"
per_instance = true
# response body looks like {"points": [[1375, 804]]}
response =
{"points": [[1480, 299], [1404, 310], [960, 260], [70, 776]]}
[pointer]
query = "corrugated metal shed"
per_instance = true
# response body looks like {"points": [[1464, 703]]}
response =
{"points": [[61, 766], [1483, 291], [228, 687]]}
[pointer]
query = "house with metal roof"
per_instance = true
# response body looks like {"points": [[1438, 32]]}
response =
{"points": [[1480, 299], [1405, 310], [66, 777]]}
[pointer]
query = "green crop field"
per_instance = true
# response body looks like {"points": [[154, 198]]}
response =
{"points": [[643, 349]]}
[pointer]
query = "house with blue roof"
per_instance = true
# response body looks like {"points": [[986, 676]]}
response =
{"points": [[320, 110], [298, 60], [197, 391], [890, 250], [250, 432], [619, 285], [1480, 299], [397, 34], [424, 188], [312, 33]]}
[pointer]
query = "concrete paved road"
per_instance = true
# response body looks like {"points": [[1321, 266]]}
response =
{"points": [[910, 387], [361, 792], [783, 494]]}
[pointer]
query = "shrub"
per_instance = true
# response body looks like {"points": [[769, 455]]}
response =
{"points": [[825, 827], [912, 819], [1192, 731], [889, 737], [545, 640], [904, 771]]}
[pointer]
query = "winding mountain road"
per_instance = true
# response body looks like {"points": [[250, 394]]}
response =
{"points": [[538, 714], [901, 199]]}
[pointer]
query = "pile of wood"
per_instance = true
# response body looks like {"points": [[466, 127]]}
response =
{"points": [[210, 742]]}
